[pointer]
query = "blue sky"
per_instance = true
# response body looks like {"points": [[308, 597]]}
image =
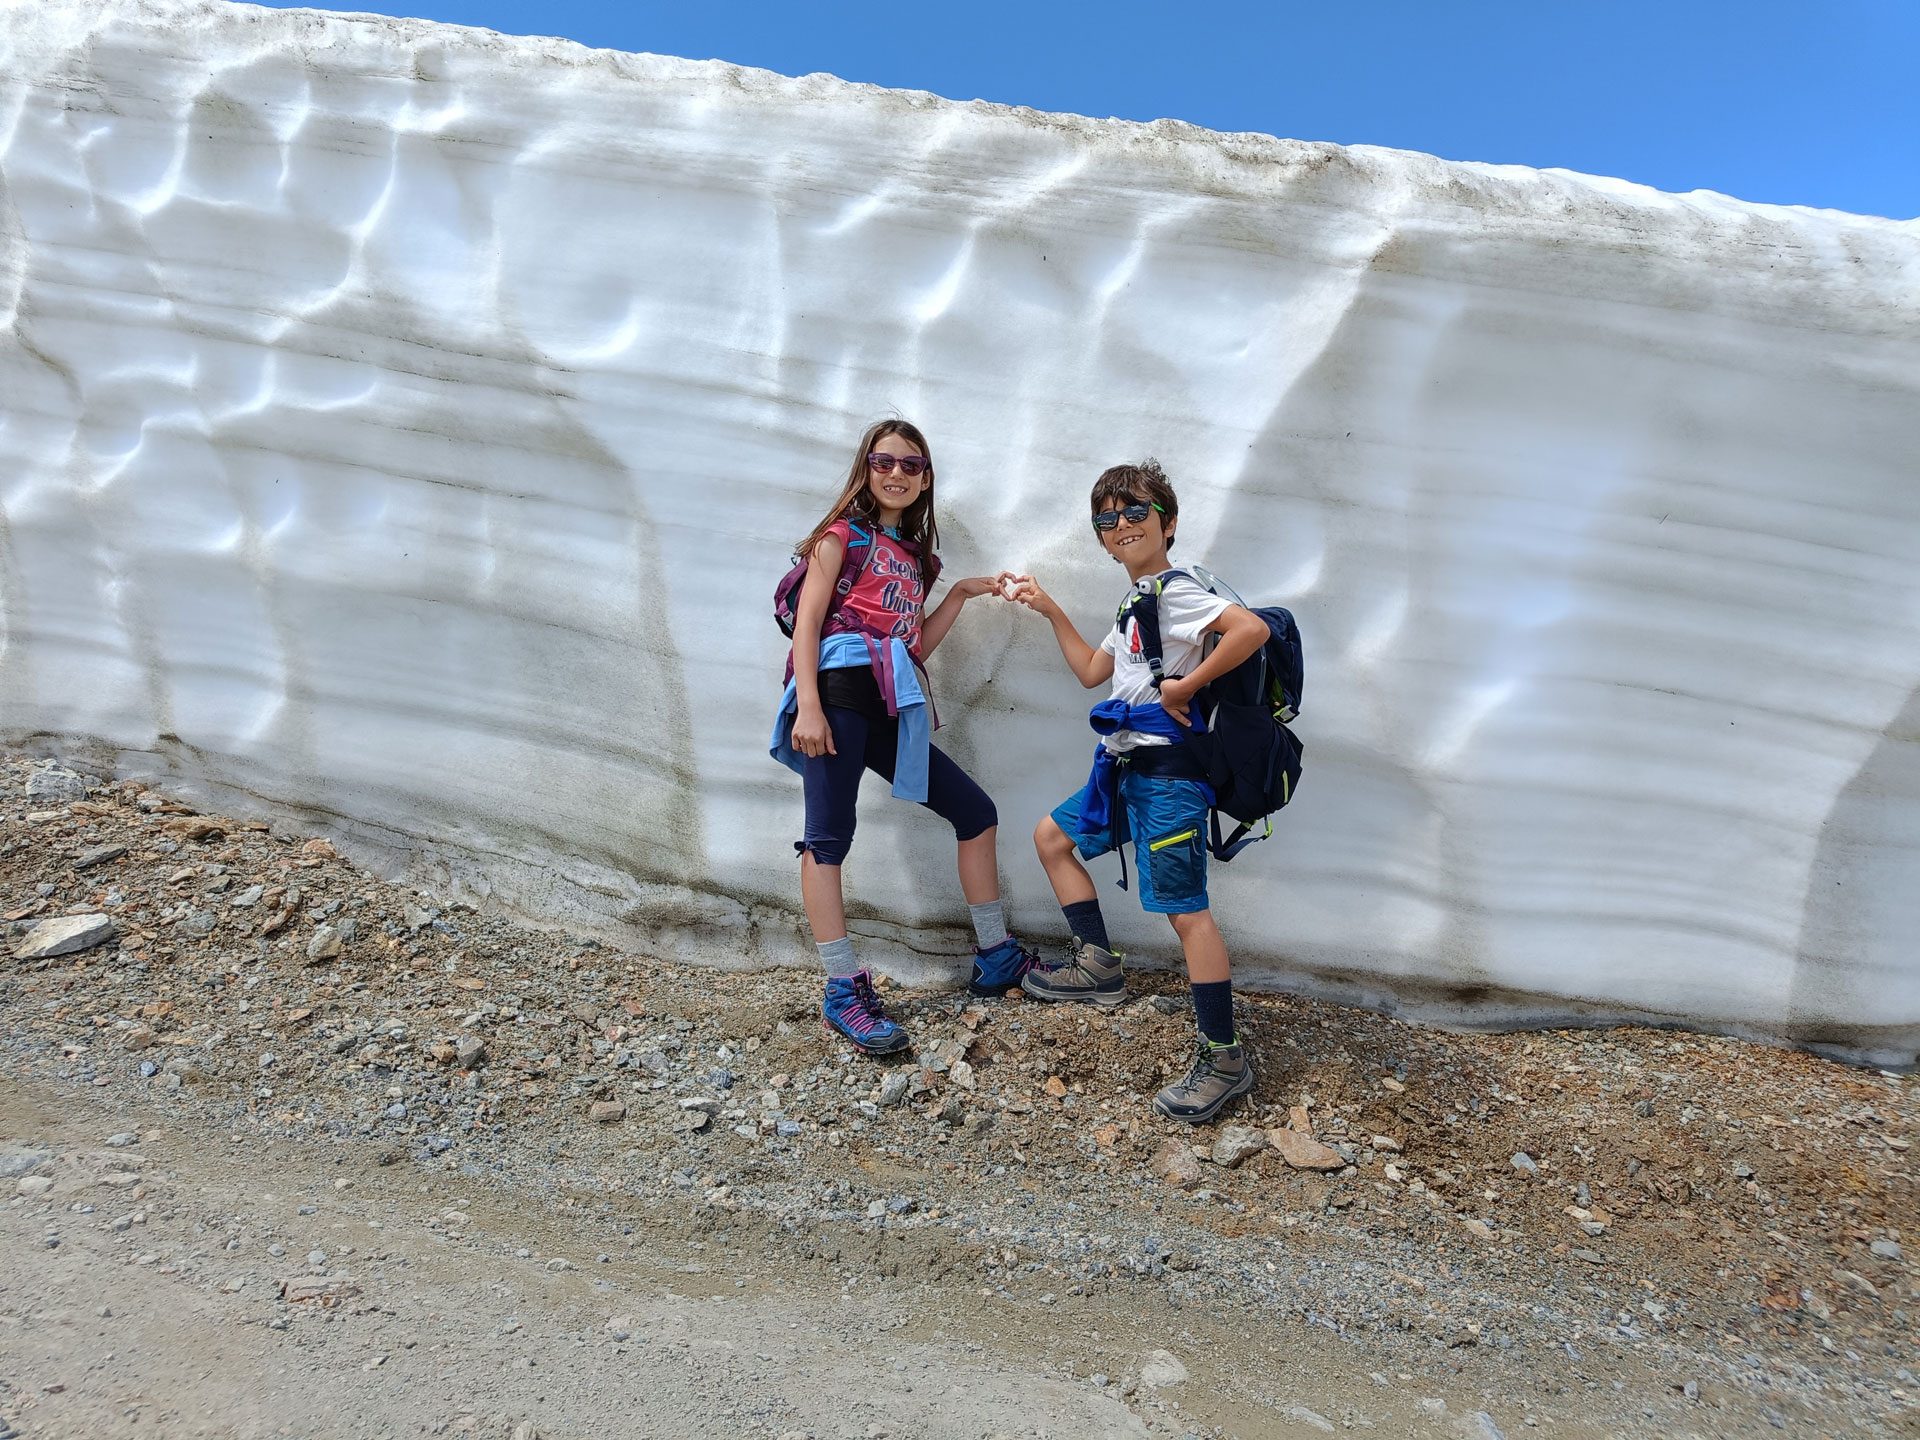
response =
{"points": [[1808, 103]]}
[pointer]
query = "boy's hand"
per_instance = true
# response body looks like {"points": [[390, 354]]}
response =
{"points": [[1176, 694], [1025, 590], [811, 733]]}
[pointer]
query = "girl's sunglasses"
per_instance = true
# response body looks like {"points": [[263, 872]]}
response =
{"points": [[910, 465], [1132, 514]]}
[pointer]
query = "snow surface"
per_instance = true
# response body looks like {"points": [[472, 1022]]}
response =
{"points": [[401, 427]]}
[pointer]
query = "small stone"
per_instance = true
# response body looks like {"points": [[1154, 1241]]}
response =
{"points": [[1055, 1086], [199, 922], [397, 1110], [469, 1051], [1303, 1152], [438, 1144], [606, 1112], [786, 1129], [140, 1037], [414, 918], [1592, 1257], [1858, 1282], [1644, 1109], [655, 1063], [1237, 1143], [1174, 1162], [1097, 1379], [325, 944], [121, 1139], [327, 1290], [1393, 1086], [1524, 1163], [1885, 1249], [317, 1258], [248, 898], [1161, 1369], [893, 1087], [1477, 1227], [1385, 1144], [33, 1184], [706, 1104], [961, 1074], [1480, 1426], [65, 935], [98, 855]]}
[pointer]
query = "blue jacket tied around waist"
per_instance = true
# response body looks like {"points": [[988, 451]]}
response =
{"points": [[1096, 810], [893, 666]]}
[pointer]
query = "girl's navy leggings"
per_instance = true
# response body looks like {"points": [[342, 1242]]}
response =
{"points": [[833, 785]]}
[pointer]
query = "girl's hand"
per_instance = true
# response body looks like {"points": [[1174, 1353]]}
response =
{"points": [[982, 584], [811, 733]]}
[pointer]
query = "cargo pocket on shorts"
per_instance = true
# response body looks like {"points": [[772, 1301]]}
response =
{"points": [[1177, 864]]}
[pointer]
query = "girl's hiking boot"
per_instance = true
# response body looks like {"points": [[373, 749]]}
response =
{"points": [[1219, 1073], [1091, 977], [852, 1009], [1001, 968]]}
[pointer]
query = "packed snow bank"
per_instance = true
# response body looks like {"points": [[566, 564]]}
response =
{"points": [[403, 427]]}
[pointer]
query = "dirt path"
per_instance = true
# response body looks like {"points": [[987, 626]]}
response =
{"points": [[550, 1184]]}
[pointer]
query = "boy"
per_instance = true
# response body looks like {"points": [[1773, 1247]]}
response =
{"points": [[1145, 784]]}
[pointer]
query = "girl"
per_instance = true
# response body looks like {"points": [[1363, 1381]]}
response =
{"points": [[856, 702]]}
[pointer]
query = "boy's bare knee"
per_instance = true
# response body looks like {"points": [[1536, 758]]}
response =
{"points": [[1048, 838]]}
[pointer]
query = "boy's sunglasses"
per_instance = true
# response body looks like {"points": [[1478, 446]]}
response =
{"points": [[1132, 514], [910, 465]]}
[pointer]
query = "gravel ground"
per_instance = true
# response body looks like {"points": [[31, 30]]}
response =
{"points": [[1621, 1232]]}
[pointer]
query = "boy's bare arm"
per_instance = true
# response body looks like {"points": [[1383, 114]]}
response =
{"points": [[1241, 633], [1090, 667]]}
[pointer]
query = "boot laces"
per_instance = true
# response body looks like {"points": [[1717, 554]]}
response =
{"points": [[866, 1014]]}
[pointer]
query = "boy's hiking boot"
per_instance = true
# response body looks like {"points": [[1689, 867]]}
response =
{"points": [[1219, 1073], [1001, 968], [1091, 977], [854, 1011]]}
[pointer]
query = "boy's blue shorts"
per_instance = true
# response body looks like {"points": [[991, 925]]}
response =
{"points": [[1167, 822]]}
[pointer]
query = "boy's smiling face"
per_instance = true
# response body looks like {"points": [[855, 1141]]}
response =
{"points": [[1140, 545]]}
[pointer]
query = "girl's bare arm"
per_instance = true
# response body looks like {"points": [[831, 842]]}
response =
{"points": [[811, 733]]}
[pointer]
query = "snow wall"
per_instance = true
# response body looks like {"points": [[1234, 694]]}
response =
{"points": [[401, 429]]}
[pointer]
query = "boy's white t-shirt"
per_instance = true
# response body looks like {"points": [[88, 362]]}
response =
{"points": [[1186, 610]]}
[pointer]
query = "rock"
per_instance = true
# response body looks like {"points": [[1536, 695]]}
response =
{"points": [[1237, 1143], [248, 898], [24, 1161], [706, 1104], [1313, 1419], [1303, 1152], [319, 849], [1385, 1144], [978, 1123], [469, 1051], [98, 855], [199, 922], [606, 1112], [1858, 1281], [326, 1290], [1592, 1257], [1391, 1085], [1055, 1086], [1644, 1109], [1477, 1227], [140, 1037], [55, 784], [893, 1087], [654, 1063], [1480, 1426], [1169, 1004], [1174, 1163], [1524, 1163], [688, 1122], [397, 1110], [65, 935], [324, 945], [33, 1184], [414, 918], [1161, 1369], [961, 1074], [1885, 1249], [1300, 1118]]}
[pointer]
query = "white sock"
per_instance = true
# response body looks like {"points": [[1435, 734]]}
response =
{"points": [[837, 957], [989, 923]]}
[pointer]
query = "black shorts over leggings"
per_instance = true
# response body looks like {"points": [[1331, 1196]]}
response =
{"points": [[862, 743]]}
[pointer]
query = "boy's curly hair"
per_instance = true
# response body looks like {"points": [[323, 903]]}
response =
{"points": [[1142, 484]]}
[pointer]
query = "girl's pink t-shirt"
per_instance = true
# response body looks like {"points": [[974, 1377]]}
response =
{"points": [[887, 595]]}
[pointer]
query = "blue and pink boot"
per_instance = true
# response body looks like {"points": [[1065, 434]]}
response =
{"points": [[852, 1010]]}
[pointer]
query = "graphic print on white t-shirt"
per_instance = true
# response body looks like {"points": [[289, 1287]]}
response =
{"points": [[1186, 610]]}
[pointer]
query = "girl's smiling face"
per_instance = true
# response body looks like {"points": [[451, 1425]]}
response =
{"points": [[895, 490]]}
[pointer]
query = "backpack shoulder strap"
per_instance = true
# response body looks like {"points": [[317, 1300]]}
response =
{"points": [[1143, 604]]}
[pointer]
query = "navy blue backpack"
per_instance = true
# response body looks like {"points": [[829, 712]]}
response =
{"points": [[1251, 758]]}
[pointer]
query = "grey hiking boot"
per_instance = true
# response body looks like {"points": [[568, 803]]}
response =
{"points": [[1091, 977], [1219, 1073]]}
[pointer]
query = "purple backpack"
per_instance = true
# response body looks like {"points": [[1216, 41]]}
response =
{"points": [[786, 595]]}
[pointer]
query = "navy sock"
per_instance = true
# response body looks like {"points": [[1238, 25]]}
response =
{"points": [[1087, 923], [1213, 1009]]}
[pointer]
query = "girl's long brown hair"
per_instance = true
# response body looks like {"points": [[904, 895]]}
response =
{"points": [[856, 499]]}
